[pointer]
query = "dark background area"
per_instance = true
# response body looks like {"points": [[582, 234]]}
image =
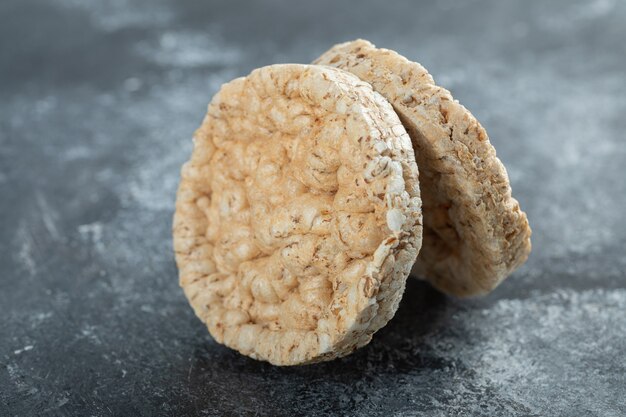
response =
{"points": [[98, 101]]}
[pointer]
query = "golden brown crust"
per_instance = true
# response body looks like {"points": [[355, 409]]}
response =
{"points": [[475, 234], [298, 216]]}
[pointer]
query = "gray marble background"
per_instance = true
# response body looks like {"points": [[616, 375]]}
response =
{"points": [[98, 101]]}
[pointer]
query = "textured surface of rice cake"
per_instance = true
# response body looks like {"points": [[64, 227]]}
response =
{"points": [[298, 216], [475, 234]]}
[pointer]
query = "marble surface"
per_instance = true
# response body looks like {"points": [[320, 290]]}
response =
{"points": [[98, 101]]}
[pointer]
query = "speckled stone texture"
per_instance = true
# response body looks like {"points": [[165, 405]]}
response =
{"points": [[97, 105]]}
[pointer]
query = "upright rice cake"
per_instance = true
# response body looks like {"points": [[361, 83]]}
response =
{"points": [[298, 217], [475, 234]]}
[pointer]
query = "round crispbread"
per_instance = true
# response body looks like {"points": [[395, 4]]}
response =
{"points": [[298, 216], [475, 234]]}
